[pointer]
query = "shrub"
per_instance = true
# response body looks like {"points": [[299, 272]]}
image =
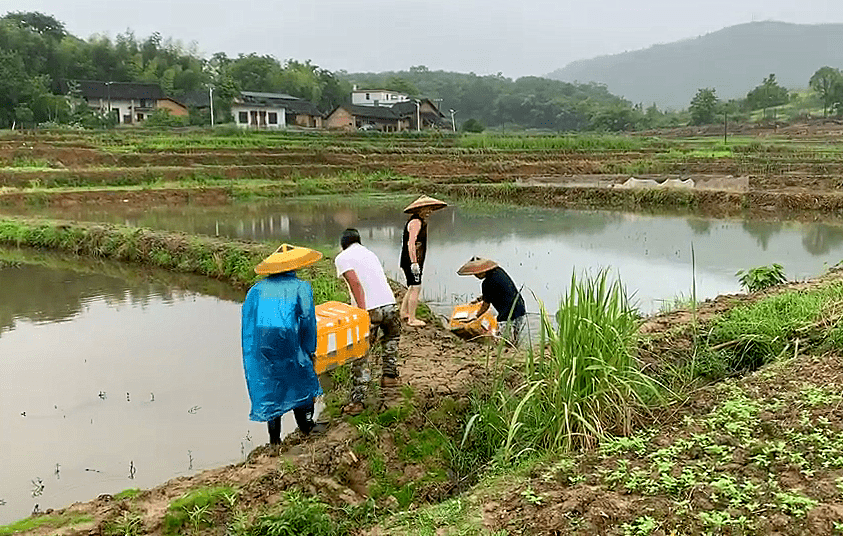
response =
{"points": [[762, 277]]}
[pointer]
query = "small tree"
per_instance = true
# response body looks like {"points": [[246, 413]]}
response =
{"points": [[824, 82], [473, 125], [767, 95], [703, 107]]}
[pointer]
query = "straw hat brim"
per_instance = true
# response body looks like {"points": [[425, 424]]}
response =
{"points": [[476, 265], [425, 202], [287, 258]]}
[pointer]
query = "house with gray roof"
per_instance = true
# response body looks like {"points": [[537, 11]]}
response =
{"points": [[403, 115], [129, 102]]}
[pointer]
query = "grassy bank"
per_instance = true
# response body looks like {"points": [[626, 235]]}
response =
{"points": [[227, 260]]}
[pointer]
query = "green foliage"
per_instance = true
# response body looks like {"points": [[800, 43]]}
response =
{"points": [[768, 94], [581, 383], [703, 107], [162, 117], [472, 125], [762, 277], [53, 521], [749, 336], [530, 102], [298, 514], [194, 508], [567, 144], [826, 83], [127, 494], [128, 524]]}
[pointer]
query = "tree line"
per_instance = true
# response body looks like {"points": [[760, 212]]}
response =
{"points": [[36, 52], [826, 92]]}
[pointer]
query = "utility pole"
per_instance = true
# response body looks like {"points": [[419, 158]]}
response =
{"points": [[211, 101], [108, 92], [453, 122], [418, 116]]}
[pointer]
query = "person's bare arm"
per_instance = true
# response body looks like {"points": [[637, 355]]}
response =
{"points": [[356, 288]]}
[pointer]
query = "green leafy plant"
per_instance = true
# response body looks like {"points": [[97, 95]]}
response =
{"points": [[299, 514], [762, 277]]}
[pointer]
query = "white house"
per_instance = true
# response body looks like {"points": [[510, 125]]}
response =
{"points": [[377, 97], [129, 102], [253, 109]]}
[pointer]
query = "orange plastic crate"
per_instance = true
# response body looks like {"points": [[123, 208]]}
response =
{"points": [[342, 334], [483, 326]]}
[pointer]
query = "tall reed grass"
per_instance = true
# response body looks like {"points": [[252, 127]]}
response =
{"points": [[581, 383]]}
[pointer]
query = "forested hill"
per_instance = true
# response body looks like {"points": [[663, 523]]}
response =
{"points": [[528, 102], [732, 61]]}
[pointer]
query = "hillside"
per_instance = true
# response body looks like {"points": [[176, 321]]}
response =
{"points": [[732, 60]]}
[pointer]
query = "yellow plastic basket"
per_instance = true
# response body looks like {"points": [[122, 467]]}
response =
{"points": [[342, 335], [486, 325]]}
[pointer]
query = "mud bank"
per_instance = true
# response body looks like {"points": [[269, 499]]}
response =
{"points": [[704, 202], [227, 260], [709, 202]]}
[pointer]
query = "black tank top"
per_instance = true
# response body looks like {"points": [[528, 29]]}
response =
{"points": [[421, 243]]}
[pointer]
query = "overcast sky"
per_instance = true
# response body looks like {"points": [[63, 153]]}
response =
{"points": [[515, 37]]}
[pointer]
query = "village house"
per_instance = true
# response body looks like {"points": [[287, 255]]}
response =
{"points": [[260, 110], [129, 102], [252, 109], [355, 116], [377, 97], [403, 114]]}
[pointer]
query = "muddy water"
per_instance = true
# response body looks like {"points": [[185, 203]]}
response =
{"points": [[539, 248], [113, 379]]}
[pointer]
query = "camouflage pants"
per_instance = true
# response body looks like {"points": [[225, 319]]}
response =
{"points": [[384, 319], [512, 330]]}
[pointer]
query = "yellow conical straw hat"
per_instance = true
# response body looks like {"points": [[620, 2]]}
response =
{"points": [[425, 201], [287, 258], [477, 265]]}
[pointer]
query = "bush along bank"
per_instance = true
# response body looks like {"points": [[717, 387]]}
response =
{"points": [[228, 260]]}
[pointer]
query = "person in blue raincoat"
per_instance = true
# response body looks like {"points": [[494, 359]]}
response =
{"points": [[279, 341]]}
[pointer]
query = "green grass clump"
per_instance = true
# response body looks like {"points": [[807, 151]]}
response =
{"points": [[582, 383], [129, 493], [299, 514], [194, 508], [53, 521], [750, 336]]}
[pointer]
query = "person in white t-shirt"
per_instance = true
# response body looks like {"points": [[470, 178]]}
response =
{"points": [[369, 290]]}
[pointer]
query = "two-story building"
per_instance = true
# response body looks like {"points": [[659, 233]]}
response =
{"points": [[129, 102], [377, 97]]}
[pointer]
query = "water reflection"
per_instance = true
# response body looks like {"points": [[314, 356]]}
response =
{"points": [[111, 383], [540, 248]]}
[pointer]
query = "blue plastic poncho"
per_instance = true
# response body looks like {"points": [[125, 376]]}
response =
{"points": [[279, 336]]}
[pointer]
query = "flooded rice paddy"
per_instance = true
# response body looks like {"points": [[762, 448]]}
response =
{"points": [[111, 383], [116, 378], [539, 248]]}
